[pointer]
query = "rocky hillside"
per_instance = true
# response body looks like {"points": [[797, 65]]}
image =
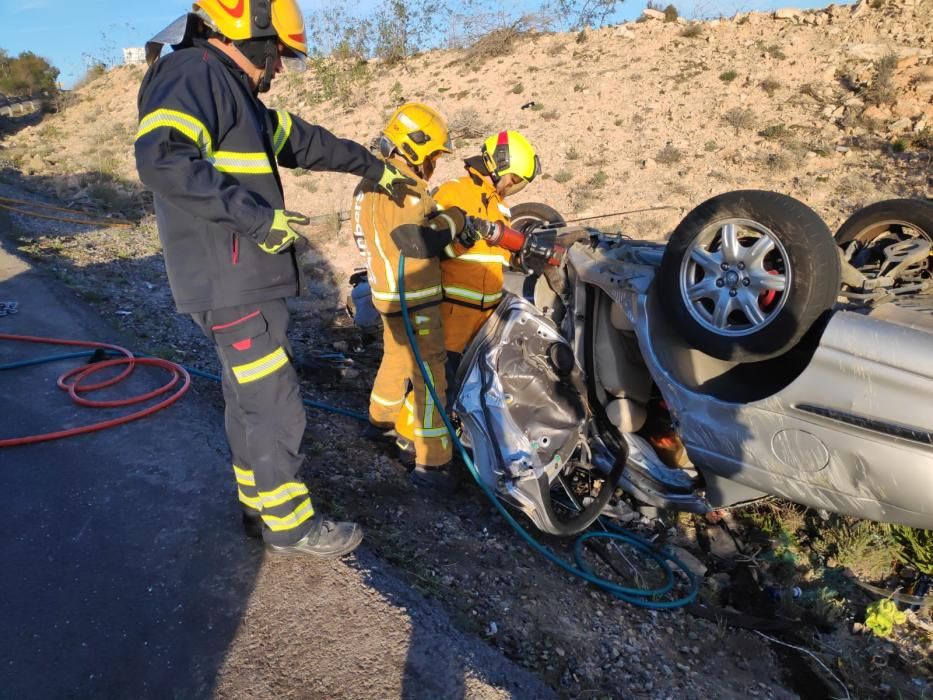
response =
{"points": [[833, 106]]}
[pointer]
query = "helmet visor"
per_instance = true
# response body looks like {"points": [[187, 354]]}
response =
{"points": [[293, 61]]}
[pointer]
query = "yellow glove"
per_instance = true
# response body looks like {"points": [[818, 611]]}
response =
{"points": [[282, 233], [393, 178]]}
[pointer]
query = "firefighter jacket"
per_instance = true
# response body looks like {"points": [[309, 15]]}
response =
{"points": [[474, 277], [209, 150], [375, 216]]}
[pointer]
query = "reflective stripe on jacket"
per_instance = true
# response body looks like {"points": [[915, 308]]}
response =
{"points": [[375, 216], [209, 150], [474, 278]]}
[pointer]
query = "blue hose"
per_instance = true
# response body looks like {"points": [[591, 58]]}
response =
{"points": [[639, 597]]}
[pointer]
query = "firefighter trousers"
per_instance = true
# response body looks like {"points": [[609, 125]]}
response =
{"points": [[264, 415], [414, 416]]}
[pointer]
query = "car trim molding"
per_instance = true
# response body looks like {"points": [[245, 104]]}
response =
{"points": [[905, 432]]}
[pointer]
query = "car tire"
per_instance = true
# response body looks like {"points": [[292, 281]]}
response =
{"points": [[528, 216], [900, 218], [747, 273]]}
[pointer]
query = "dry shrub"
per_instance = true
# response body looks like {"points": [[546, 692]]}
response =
{"points": [[739, 118], [882, 90], [500, 41], [467, 124]]}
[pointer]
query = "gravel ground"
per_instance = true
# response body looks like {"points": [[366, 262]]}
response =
{"points": [[580, 642]]}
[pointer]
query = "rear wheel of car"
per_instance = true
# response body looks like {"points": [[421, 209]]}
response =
{"points": [[883, 223], [747, 273], [527, 217]]}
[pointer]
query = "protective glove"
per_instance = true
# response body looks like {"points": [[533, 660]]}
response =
{"points": [[282, 233], [429, 239], [393, 179], [474, 229]]}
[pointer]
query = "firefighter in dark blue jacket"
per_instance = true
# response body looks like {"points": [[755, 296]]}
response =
{"points": [[209, 150]]}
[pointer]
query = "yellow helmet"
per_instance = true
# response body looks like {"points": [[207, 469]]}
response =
{"points": [[416, 131], [239, 20], [508, 152]]}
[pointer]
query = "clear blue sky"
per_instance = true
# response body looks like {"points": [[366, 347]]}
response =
{"points": [[70, 33]]}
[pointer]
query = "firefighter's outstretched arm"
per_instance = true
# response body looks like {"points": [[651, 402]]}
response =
{"points": [[299, 144]]}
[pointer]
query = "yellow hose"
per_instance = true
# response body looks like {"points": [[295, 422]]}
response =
{"points": [[10, 204]]}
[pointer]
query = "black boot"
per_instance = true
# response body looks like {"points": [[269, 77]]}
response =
{"points": [[252, 525], [325, 540], [379, 434], [438, 479]]}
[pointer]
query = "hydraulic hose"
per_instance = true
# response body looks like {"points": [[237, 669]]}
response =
{"points": [[639, 597], [74, 383]]}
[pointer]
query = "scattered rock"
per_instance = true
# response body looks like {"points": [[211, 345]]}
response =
{"points": [[900, 126], [648, 163], [788, 13], [648, 13]]}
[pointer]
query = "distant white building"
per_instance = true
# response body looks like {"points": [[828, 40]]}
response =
{"points": [[134, 56]]}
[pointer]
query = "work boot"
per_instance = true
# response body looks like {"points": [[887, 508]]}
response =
{"points": [[406, 453], [437, 479], [252, 525], [326, 540], [379, 434]]}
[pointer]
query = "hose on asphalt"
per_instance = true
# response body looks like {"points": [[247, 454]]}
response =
{"points": [[74, 383], [638, 597]]}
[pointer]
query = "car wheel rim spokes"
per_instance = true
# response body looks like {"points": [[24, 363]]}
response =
{"points": [[735, 277]]}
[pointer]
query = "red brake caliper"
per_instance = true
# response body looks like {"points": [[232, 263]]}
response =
{"points": [[767, 297]]}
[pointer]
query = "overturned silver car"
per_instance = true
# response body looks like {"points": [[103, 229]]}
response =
{"points": [[785, 364]]}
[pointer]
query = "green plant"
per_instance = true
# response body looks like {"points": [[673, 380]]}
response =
{"points": [[864, 547], [669, 155], [916, 547], [728, 76], [598, 180], [899, 145], [882, 616], [710, 146], [563, 176], [518, 89], [671, 14], [537, 107], [572, 153], [692, 31], [619, 122], [579, 88]]}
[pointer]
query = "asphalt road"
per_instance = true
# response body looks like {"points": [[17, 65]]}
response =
{"points": [[125, 572]]}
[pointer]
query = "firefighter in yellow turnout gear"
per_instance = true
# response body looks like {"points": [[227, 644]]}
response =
{"points": [[415, 137], [472, 279]]}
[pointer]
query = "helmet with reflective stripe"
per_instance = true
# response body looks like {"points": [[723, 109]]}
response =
{"points": [[417, 132], [508, 152], [240, 20]]}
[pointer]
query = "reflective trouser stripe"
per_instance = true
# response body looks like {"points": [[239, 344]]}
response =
{"points": [[471, 295], [431, 432], [385, 402], [282, 494], [262, 367], [480, 258], [244, 477], [303, 512], [249, 501], [283, 131], [415, 294]]}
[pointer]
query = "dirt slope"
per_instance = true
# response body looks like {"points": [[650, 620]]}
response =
{"points": [[624, 117]]}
